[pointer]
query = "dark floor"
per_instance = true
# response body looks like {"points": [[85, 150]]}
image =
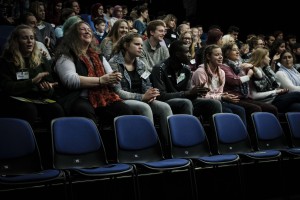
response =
{"points": [[263, 182]]}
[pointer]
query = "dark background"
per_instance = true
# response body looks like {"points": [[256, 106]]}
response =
{"points": [[249, 16]]}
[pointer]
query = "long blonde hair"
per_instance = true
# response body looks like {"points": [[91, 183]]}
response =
{"points": [[193, 43], [12, 52], [258, 56]]}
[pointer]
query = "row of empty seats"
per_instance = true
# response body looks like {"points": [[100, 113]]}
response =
{"points": [[78, 153]]}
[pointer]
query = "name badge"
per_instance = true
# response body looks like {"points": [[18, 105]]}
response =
{"points": [[145, 75], [173, 36], [22, 75], [181, 77]]}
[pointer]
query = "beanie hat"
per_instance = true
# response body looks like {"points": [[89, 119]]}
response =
{"points": [[70, 21]]}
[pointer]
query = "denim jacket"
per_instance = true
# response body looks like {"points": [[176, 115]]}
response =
{"points": [[124, 87]]}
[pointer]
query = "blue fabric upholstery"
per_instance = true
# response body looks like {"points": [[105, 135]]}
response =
{"points": [[138, 144], [133, 140], [229, 128], [16, 138], [77, 137], [20, 161], [184, 131], [263, 122], [78, 149]]}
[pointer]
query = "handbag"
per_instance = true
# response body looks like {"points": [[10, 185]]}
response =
{"points": [[262, 85], [267, 82]]}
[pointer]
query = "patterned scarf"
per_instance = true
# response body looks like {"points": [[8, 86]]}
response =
{"points": [[235, 66], [102, 95]]}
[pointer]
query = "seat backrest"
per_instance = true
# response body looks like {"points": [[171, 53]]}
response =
{"points": [[136, 139], [19, 153], [5, 32], [187, 137], [293, 119], [231, 133], [268, 130], [76, 142]]}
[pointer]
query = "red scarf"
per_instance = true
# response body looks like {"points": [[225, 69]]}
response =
{"points": [[102, 95]]}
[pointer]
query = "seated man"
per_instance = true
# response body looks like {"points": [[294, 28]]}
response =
{"points": [[173, 79]]}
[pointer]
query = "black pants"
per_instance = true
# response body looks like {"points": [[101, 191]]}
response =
{"points": [[82, 107], [30, 111]]}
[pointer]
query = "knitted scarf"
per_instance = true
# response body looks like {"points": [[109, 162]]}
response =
{"points": [[235, 66], [102, 95]]}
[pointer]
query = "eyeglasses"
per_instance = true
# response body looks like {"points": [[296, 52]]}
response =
{"points": [[85, 29], [185, 38]]}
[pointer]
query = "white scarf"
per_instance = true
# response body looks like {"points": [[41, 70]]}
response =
{"points": [[292, 73]]}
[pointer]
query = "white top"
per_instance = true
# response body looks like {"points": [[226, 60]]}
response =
{"points": [[285, 81]]}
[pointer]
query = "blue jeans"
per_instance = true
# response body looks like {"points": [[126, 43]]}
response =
{"points": [[236, 109], [158, 108]]}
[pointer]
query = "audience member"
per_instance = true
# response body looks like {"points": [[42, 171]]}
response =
{"points": [[135, 86], [266, 89], [45, 31], [30, 20], [287, 75], [86, 81], [119, 29], [277, 48], [26, 80], [153, 53], [296, 51], [116, 15], [173, 79], [100, 28], [213, 77], [234, 32], [237, 77], [97, 11], [189, 41], [171, 24], [140, 23], [214, 36], [74, 4]]}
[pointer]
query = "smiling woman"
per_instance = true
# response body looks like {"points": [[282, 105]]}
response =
{"points": [[86, 81]]}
